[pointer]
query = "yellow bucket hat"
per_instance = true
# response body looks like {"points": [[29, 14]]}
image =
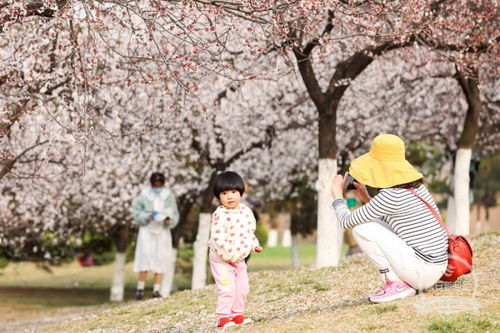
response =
{"points": [[385, 164]]}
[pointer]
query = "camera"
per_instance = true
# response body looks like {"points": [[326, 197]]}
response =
{"points": [[350, 185]]}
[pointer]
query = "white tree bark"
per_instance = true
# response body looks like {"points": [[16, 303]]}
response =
{"points": [[286, 239], [329, 233], [450, 214], [168, 278], [295, 251], [118, 282], [461, 191], [272, 238], [200, 252]]}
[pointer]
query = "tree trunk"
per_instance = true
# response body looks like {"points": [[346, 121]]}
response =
{"points": [[450, 213], [118, 281], [177, 232], [479, 223], [467, 139], [168, 279], [201, 251], [295, 251], [168, 283], [329, 232], [202, 237], [286, 239], [272, 238], [461, 195], [486, 219]]}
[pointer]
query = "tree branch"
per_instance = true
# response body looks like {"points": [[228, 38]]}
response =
{"points": [[354, 65], [32, 9], [196, 145], [328, 28], [8, 164], [270, 134], [437, 45], [305, 64]]}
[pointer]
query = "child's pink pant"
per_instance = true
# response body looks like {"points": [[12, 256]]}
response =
{"points": [[232, 286]]}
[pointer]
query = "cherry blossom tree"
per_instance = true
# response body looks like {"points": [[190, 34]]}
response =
{"points": [[458, 30], [99, 93], [452, 125], [467, 35]]}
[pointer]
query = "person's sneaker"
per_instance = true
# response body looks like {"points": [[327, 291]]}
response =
{"points": [[156, 294], [383, 289], [395, 290], [139, 294], [225, 322], [242, 320]]}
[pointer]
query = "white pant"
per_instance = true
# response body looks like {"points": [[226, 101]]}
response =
{"points": [[393, 257]]}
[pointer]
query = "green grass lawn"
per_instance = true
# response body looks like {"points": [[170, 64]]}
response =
{"points": [[280, 257], [74, 276]]}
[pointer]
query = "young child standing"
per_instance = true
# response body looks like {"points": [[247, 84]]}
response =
{"points": [[231, 241]]}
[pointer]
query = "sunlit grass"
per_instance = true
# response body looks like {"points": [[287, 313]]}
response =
{"points": [[462, 324], [32, 291], [331, 299]]}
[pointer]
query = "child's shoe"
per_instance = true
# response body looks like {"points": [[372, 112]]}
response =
{"points": [[242, 320], [225, 322], [392, 291]]}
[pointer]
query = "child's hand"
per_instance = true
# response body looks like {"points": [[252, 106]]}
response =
{"points": [[258, 249]]}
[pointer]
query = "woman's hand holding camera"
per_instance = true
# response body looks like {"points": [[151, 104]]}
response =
{"points": [[339, 183], [361, 192]]}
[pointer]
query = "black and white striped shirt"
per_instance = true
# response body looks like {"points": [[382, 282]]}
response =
{"points": [[407, 215]]}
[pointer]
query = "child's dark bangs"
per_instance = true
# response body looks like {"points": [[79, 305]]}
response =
{"points": [[228, 181]]}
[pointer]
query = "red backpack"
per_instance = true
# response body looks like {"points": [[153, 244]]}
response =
{"points": [[459, 249]]}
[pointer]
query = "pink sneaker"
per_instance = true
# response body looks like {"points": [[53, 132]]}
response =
{"points": [[392, 291], [384, 288]]}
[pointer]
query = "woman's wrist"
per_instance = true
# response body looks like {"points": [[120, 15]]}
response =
{"points": [[337, 196]]}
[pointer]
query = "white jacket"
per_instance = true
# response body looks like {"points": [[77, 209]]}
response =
{"points": [[232, 235]]}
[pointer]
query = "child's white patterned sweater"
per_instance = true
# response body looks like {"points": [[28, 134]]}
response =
{"points": [[232, 235]]}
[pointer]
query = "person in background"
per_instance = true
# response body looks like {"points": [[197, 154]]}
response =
{"points": [[86, 260], [155, 211]]}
